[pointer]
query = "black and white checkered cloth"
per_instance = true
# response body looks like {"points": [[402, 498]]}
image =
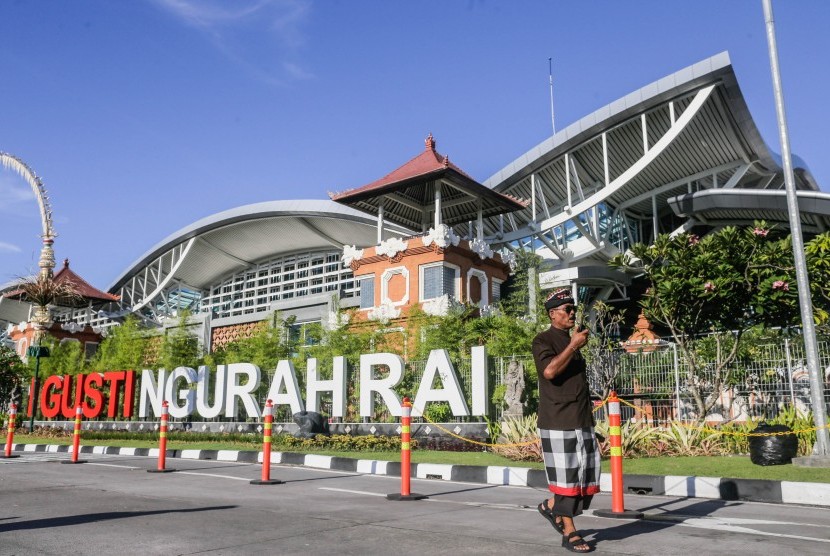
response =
{"points": [[572, 461]]}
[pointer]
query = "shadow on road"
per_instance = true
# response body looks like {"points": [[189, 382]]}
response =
{"points": [[91, 518], [656, 522]]}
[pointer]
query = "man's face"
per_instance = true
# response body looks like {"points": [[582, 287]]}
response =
{"points": [[563, 317]]}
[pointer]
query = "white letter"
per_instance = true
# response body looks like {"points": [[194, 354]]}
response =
{"points": [[337, 386], [202, 392], [285, 374], [242, 391], [186, 394], [439, 362], [480, 380], [151, 391], [382, 386]]}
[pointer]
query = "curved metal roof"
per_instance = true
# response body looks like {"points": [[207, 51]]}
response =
{"points": [[688, 132], [691, 126], [202, 253]]}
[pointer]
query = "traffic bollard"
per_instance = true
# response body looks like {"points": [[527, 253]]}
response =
{"points": [[268, 422], [162, 441], [615, 439], [406, 450]]}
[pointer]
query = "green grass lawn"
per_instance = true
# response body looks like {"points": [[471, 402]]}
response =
{"points": [[736, 467]]}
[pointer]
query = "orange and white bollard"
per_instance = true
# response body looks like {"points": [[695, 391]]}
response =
{"points": [[406, 450], [76, 437], [615, 440], [165, 416], [10, 435], [268, 423]]}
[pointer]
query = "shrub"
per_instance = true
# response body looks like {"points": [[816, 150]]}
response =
{"points": [[519, 439]]}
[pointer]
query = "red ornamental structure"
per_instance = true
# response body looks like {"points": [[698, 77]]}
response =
{"points": [[406, 449], [268, 423]]}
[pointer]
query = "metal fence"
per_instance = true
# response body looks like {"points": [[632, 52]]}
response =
{"points": [[774, 378]]}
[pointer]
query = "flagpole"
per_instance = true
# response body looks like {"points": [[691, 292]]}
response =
{"points": [[804, 296]]}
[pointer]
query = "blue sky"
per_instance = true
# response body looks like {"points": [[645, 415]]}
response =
{"points": [[144, 116]]}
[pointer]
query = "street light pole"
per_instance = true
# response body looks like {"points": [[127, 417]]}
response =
{"points": [[822, 447]]}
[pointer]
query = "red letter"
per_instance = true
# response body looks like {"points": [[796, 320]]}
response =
{"points": [[129, 393], [67, 408], [113, 377], [50, 402], [31, 396], [93, 394]]}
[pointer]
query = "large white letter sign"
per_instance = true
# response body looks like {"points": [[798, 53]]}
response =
{"points": [[285, 375], [337, 386], [382, 386], [478, 356], [205, 410], [439, 362], [242, 391], [173, 394], [151, 391]]}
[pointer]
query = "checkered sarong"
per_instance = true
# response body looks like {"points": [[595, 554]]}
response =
{"points": [[572, 461]]}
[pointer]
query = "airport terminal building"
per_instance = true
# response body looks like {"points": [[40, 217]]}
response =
{"points": [[681, 153]]}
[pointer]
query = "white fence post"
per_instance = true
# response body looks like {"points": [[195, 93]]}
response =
{"points": [[789, 369]]}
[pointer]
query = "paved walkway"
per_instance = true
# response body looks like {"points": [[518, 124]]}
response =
{"points": [[208, 506], [756, 490]]}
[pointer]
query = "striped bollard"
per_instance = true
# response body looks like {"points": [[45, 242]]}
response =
{"points": [[162, 441], [268, 423], [406, 422], [10, 436], [76, 438], [615, 437]]}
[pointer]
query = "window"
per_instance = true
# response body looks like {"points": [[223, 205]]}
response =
{"points": [[438, 280], [367, 291], [496, 293]]}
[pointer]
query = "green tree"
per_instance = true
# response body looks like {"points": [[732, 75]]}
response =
{"points": [[12, 374], [123, 348], [516, 298], [65, 358], [723, 285], [180, 348], [603, 352], [817, 252]]}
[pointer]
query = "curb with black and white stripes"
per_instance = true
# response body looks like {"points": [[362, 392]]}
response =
{"points": [[755, 490]]}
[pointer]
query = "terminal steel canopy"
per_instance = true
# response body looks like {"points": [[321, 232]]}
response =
{"points": [[203, 253]]}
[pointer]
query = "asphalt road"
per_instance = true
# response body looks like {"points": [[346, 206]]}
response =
{"points": [[111, 505]]}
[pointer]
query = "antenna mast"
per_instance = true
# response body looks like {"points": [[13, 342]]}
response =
{"points": [[550, 80]]}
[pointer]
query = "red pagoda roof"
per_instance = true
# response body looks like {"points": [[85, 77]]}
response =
{"points": [[413, 185], [86, 292]]}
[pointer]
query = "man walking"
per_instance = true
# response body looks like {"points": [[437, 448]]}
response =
{"points": [[566, 421]]}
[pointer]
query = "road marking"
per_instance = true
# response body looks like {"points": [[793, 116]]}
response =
{"points": [[727, 524], [113, 465], [363, 492], [213, 475]]}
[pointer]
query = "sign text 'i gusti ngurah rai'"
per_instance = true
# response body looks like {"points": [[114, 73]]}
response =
{"points": [[189, 390]]}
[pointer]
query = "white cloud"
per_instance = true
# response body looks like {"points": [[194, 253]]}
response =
{"points": [[13, 190], [230, 25], [9, 247]]}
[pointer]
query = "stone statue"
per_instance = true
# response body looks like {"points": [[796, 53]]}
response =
{"points": [[514, 382]]}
